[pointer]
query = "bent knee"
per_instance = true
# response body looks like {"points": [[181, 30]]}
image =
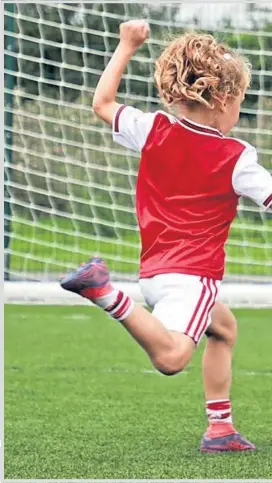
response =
{"points": [[170, 364]]}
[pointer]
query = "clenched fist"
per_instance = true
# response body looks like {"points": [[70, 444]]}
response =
{"points": [[134, 32]]}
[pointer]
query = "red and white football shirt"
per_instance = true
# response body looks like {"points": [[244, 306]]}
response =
{"points": [[189, 182]]}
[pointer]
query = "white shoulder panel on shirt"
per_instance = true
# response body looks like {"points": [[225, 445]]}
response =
{"points": [[252, 180], [131, 127]]}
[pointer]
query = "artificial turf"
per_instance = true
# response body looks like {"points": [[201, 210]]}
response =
{"points": [[82, 401]]}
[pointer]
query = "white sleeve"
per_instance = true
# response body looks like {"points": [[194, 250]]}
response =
{"points": [[250, 179], [131, 127]]}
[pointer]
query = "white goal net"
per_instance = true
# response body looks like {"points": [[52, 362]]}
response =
{"points": [[69, 190]]}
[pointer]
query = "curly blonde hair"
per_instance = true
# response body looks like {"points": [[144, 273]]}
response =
{"points": [[195, 68]]}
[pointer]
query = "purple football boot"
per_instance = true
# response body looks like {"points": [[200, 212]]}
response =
{"points": [[91, 280], [230, 442]]}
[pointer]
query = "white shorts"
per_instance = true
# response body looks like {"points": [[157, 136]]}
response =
{"points": [[182, 303]]}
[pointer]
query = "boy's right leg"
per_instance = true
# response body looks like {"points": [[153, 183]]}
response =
{"points": [[217, 371], [169, 352]]}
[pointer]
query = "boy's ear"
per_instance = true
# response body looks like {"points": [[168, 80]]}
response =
{"points": [[221, 101], [223, 106]]}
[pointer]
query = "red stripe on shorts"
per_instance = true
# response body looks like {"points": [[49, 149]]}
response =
{"points": [[203, 292], [268, 201], [200, 322], [204, 326]]}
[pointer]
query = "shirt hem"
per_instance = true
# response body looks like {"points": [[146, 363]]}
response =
{"points": [[183, 271]]}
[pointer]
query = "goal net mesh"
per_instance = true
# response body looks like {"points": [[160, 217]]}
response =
{"points": [[69, 190]]}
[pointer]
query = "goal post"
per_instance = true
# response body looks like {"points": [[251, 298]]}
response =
{"points": [[69, 190]]}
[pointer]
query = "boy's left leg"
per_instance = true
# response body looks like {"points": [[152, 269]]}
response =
{"points": [[168, 352], [217, 374]]}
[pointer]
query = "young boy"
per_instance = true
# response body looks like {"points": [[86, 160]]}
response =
{"points": [[189, 182]]}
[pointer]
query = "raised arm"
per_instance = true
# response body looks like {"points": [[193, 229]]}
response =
{"points": [[132, 36]]}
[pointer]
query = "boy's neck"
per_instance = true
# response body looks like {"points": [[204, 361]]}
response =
{"points": [[204, 117]]}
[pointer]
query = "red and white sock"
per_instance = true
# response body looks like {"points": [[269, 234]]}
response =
{"points": [[116, 304], [219, 411]]}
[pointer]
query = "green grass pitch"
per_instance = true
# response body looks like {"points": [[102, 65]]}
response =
{"points": [[82, 401]]}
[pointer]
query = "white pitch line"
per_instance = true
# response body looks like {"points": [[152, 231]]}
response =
{"points": [[156, 373], [254, 373]]}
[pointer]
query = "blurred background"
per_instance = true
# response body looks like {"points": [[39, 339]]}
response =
{"points": [[69, 190], [81, 398]]}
